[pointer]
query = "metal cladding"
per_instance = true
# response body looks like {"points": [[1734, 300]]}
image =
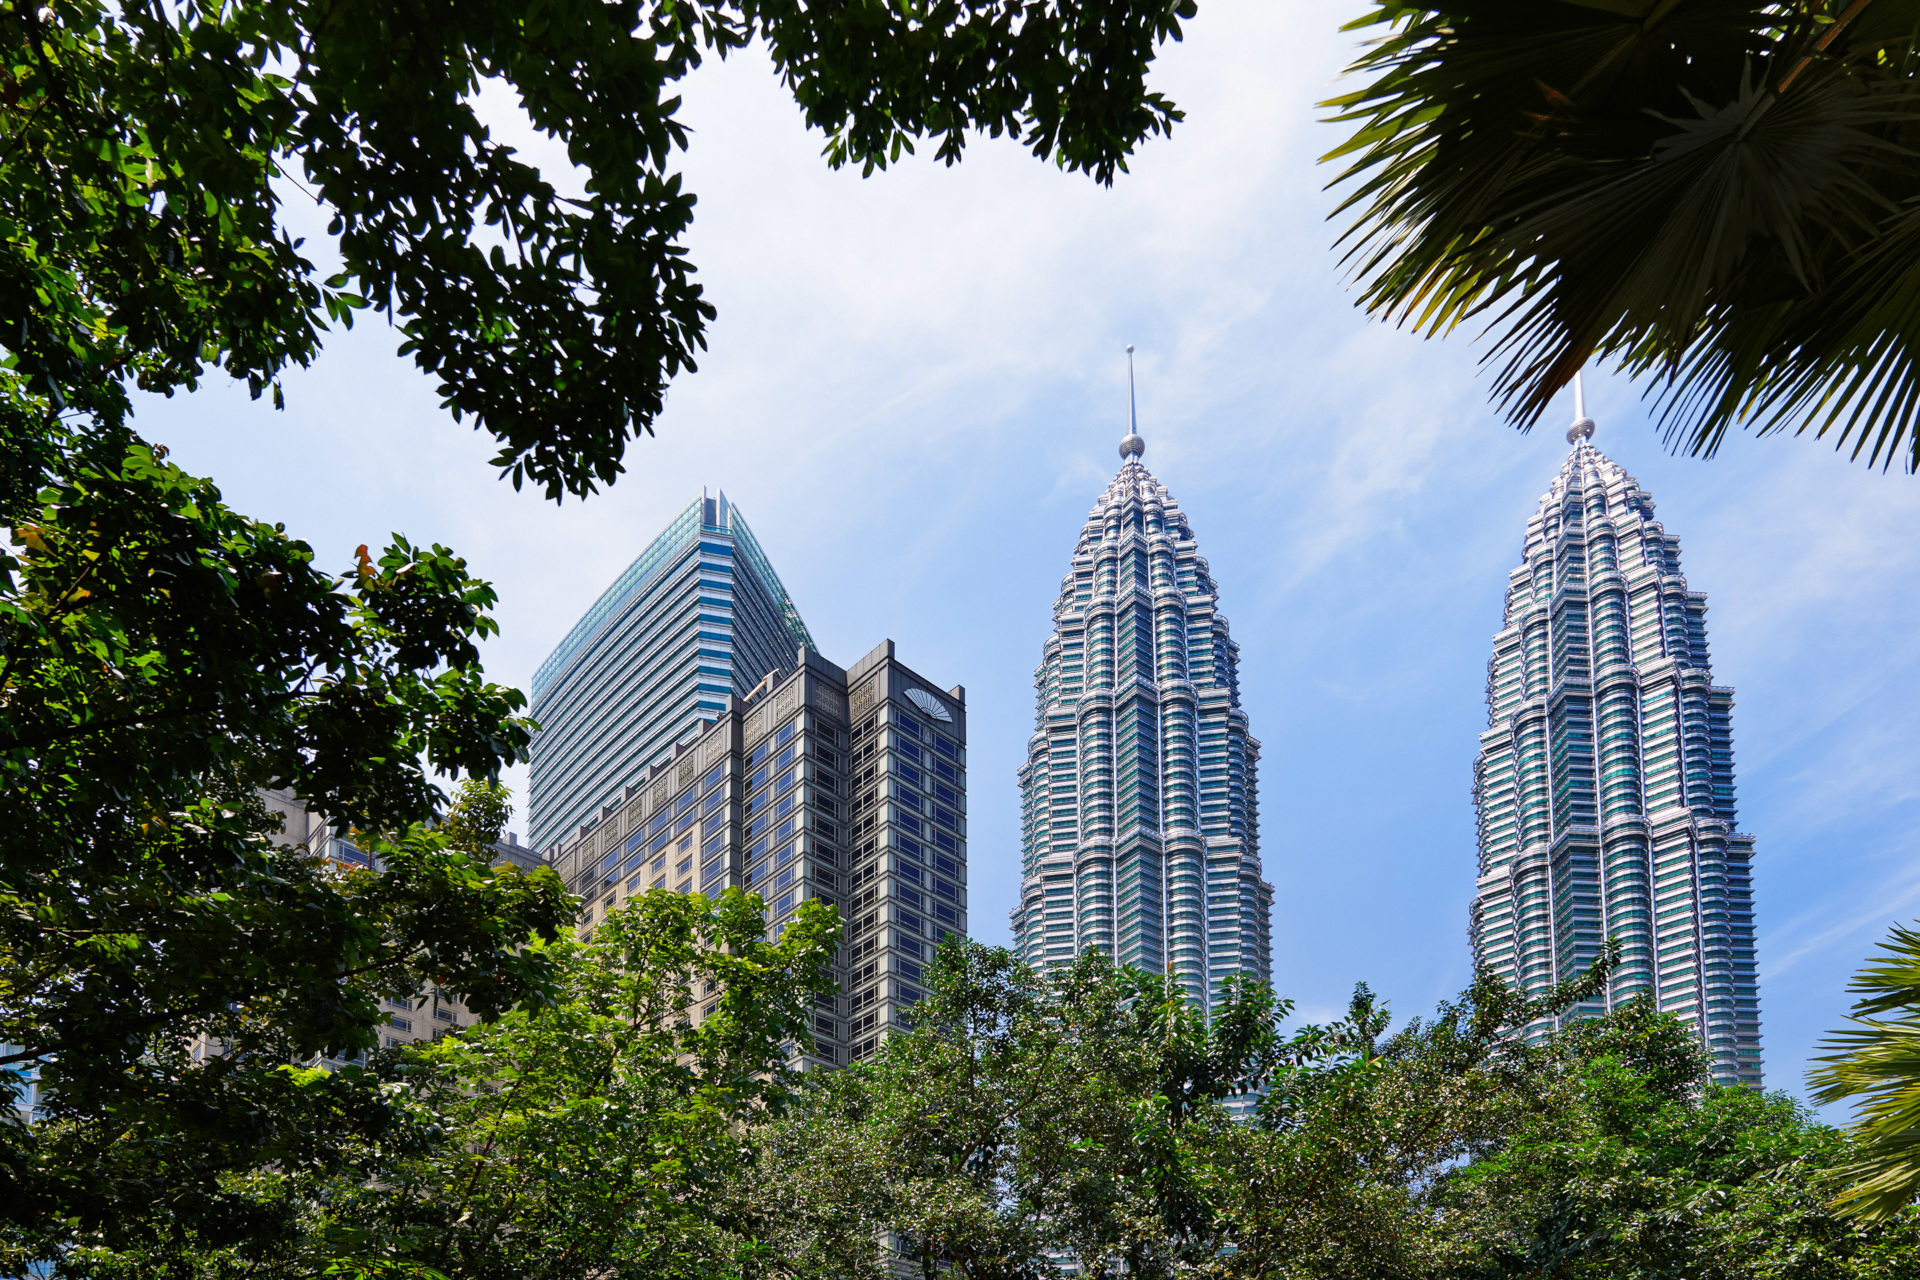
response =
{"points": [[1604, 783], [1140, 831], [697, 618]]}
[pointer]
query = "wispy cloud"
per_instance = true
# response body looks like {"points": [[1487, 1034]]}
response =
{"points": [[914, 391]]}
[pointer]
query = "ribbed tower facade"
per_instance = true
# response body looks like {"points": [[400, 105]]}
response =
{"points": [[1604, 784], [1140, 827]]}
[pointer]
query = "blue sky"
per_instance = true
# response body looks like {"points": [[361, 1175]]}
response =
{"points": [[914, 393]]}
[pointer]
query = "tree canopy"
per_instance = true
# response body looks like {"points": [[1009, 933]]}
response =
{"points": [[1718, 194], [147, 150]]}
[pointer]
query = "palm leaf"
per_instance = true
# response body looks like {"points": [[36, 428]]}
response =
{"points": [[1877, 1062], [1718, 192]]}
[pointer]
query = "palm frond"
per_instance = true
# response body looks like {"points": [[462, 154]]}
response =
{"points": [[1876, 1061], [1721, 193]]}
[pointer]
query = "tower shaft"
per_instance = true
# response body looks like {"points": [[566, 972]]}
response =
{"points": [[1140, 831], [1604, 783]]}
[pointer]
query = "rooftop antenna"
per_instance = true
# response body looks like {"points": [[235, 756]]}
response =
{"points": [[1133, 446], [1582, 428]]}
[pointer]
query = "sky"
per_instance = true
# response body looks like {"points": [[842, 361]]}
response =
{"points": [[914, 393]]}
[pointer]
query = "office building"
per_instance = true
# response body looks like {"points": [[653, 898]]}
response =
{"points": [[698, 617], [1140, 829], [1604, 782], [843, 785]]}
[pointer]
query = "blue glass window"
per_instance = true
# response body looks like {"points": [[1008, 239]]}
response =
{"points": [[715, 777], [635, 840], [908, 751], [687, 801], [713, 870], [946, 748]]}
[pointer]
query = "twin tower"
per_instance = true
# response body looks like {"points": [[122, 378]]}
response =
{"points": [[1603, 785]]}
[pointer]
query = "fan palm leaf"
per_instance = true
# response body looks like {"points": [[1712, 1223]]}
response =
{"points": [[1876, 1062], [1724, 194]]}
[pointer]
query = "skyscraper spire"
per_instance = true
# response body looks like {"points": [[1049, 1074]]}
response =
{"points": [[1132, 446], [1604, 783], [1582, 428], [1140, 827]]}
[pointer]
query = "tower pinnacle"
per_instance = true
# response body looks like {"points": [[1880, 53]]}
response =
{"points": [[1582, 428], [1132, 446]]}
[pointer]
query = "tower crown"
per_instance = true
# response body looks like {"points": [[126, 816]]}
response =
{"points": [[1604, 782], [1140, 826]]}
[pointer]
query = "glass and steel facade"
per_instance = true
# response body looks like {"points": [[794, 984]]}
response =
{"points": [[847, 786], [1604, 782], [1140, 829], [698, 617]]}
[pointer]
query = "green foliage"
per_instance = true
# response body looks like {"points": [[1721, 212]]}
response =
{"points": [[163, 659], [145, 150], [597, 1135], [481, 810], [1877, 1062], [1025, 1115], [1032, 1117], [1717, 192]]}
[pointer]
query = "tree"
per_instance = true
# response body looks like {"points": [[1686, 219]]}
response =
{"points": [[1719, 193], [1026, 1115], [162, 657], [1876, 1062], [146, 150], [595, 1135], [1452, 1148]]}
